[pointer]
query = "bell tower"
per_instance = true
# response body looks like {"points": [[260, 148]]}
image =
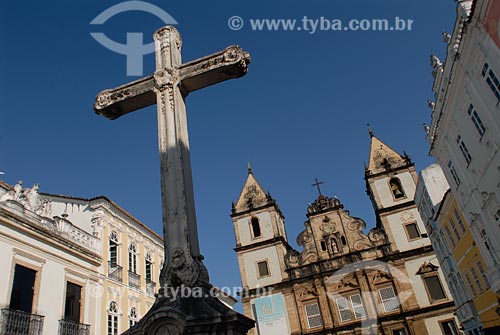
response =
{"points": [[391, 182], [261, 240]]}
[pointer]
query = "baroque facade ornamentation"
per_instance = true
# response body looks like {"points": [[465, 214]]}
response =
{"points": [[342, 273]]}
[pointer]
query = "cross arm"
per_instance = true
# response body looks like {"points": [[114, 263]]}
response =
{"points": [[229, 63], [127, 98]]}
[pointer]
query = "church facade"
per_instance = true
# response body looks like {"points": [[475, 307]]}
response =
{"points": [[343, 281]]}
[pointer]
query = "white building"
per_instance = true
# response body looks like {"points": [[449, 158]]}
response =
{"points": [[465, 130], [49, 267], [73, 266]]}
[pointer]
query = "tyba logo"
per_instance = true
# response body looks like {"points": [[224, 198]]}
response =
{"points": [[134, 49]]}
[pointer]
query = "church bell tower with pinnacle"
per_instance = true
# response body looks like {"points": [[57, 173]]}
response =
{"points": [[391, 182], [261, 241]]}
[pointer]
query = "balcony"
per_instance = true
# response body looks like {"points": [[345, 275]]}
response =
{"points": [[134, 280], [67, 327], [15, 322], [114, 271], [150, 287]]}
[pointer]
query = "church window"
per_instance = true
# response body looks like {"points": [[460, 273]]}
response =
{"points": [[313, 313], [345, 313], [132, 317], [132, 258], [351, 308], [412, 231], [396, 188], [389, 299], [357, 306], [464, 150], [476, 120], [344, 241], [449, 327], [255, 227], [113, 248], [434, 288], [491, 79], [263, 269], [323, 246], [112, 318]]}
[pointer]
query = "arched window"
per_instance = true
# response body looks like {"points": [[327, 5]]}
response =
{"points": [[113, 248], [255, 227], [132, 317], [132, 258], [323, 246], [113, 318], [396, 188]]}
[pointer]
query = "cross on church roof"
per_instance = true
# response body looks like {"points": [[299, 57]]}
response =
{"points": [[317, 183]]}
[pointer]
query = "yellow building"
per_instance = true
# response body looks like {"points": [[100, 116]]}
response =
{"points": [[132, 256], [470, 262]]}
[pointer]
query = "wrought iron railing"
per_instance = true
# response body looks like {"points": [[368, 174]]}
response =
{"points": [[150, 287], [134, 280], [115, 271], [15, 322], [67, 327]]}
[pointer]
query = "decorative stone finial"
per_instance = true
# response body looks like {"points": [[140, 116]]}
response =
{"points": [[446, 36], [435, 62], [426, 128], [249, 167]]}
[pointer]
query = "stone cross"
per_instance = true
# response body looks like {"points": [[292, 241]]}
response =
{"points": [[167, 87]]}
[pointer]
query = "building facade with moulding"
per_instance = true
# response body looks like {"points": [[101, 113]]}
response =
{"points": [[464, 133], [73, 266], [343, 281], [462, 262]]}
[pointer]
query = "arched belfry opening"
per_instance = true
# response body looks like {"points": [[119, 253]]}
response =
{"points": [[396, 188]]}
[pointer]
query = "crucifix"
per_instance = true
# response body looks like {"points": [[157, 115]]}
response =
{"points": [[168, 87], [317, 183]]}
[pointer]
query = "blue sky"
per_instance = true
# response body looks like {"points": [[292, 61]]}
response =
{"points": [[299, 113]]}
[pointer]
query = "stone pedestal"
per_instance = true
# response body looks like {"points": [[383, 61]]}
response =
{"points": [[199, 314]]}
